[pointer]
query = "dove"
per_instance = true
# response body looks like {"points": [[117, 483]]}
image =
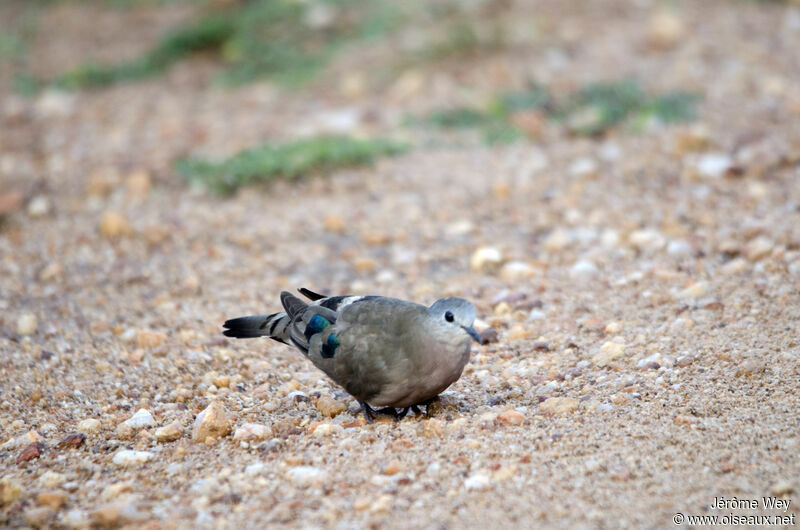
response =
{"points": [[385, 352]]}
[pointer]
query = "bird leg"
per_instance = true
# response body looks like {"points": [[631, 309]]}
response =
{"points": [[370, 413], [415, 407]]}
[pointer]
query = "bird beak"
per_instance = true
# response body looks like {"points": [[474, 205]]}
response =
{"points": [[472, 333]]}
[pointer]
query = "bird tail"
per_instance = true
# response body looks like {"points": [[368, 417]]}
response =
{"points": [[274, 326]]}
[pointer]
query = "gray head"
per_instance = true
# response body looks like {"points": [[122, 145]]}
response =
{"points": [[455, 314]]}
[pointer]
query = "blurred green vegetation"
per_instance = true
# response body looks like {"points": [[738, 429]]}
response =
{"points": [[289, 41], [289, 161], [14, 40], [590, 111], [285, 40]]}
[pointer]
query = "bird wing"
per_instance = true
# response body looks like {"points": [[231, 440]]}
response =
{"points": [[371, 345]]}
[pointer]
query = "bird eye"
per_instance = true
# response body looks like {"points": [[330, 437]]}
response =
{"points": [[449, 316]]}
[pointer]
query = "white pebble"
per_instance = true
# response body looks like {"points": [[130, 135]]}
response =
{"points": [[696, 290], [51, 479], [306, 475], [486, 259], [583, 270], [536, 314], [327, 429], [39, 206], [477, 482], [131, 458], [583, 167], [714, 165], [250, 432], [255, 469], [26, 324], [679, 248], [142, 419], [517, 270], [89, 426], [647, 240], [558, 239]]}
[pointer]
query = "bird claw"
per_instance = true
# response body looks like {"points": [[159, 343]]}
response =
{"points": [[391, 412]]}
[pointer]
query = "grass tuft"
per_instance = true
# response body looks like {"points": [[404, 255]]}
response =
{"points": [[285, 40], [286, 161], [591, 111]]}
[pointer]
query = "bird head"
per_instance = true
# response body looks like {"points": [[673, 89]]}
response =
{"points": [[455, 316]]}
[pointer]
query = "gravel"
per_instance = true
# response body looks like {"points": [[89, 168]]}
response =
{"points": [[638, 293]]}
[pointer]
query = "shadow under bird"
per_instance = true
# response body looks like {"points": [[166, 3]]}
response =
{"points": [[385, 352]]}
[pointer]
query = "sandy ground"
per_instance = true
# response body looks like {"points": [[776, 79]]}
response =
{"points": [[645, 297]]}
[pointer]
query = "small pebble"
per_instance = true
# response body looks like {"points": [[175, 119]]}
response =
{"points": [[139, 183], [518, 332], [53, 499], [39, 206], [583, 168], [735, 266], [39, 516], [557, 240], [750, 367], [540, 345], [489, 335], [393, 467], [558, 405], [89, 426], [502, 309], [757, 249], [141, 420], [696, 290], [75, 519], [714, 165], [170, 432], [213, 422], [583, 270], [51, 479], [328, 407], [30, 452], [116, 489], [325, 430], [306, 475], [118, 513], [150, 339], [782, 488], [10, 491], [334, 224], [514, 271], [129, 457], [684, 361], [486, 259], [71, 441], [364, 265], [504, 473], [26, 324], [477, 482], [609, 352], [679, 248], [647, 240], [665, 29], [252, 432], [50, 271], [382, 504], [511, 417], [113, 225]]}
